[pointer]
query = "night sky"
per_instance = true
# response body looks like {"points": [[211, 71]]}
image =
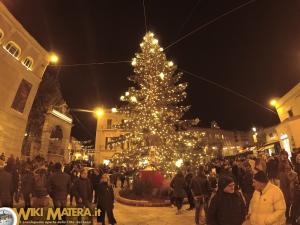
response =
{"points": [[254, 51]]}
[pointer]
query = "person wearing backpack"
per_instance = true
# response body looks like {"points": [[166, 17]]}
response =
{"points": [[227, 206]]}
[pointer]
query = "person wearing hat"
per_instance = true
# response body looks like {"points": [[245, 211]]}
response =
{"points": [[267, 206], [227, 206], [6, 187]]}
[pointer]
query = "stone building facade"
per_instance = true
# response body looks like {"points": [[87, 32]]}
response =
{"points": [[107, 130], [288, 110], [22, 65], [56, 136]]}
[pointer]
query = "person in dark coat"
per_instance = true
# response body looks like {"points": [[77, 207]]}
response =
{"points": [[74, 177], [201, 191], [94, 179], [226, 171], [122, 177], [114, 177], [188, 178], [273, 169], [40, 188], [227, 206], [246, 182], [59, 186], [106, 201], [6, 187], [83, 191], [212, 179], [178, 185], [27, 186], [12, 169]]}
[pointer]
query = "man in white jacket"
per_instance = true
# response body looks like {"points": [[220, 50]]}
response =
{"points": [[267, 206]]}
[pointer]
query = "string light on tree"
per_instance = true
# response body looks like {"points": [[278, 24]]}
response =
{"points": [[162, 76], [153, 108]]}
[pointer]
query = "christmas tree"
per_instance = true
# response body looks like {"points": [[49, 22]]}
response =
{"points": [[153, 108]]}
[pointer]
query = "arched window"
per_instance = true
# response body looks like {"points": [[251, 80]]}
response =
{"points": [[28, 62], [13, 49], [1, 34]]}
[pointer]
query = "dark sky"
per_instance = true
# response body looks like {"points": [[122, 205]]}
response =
{"points": [[255, 51]]}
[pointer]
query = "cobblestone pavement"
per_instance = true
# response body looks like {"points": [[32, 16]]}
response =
{"points": [[130, 215]]}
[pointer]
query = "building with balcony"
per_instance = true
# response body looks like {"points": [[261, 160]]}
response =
{"points": [[106, 133], [22, 65]]}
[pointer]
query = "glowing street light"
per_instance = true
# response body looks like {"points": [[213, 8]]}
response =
{"points": [[273, 102], [53, 58], [99, 112], [254, 129], [114, 110]]}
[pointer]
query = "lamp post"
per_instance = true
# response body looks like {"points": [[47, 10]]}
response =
{"points": [[273, 102], [53, 58]]}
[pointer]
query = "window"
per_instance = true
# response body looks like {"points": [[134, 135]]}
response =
{"points": [[21, 97], [28, 62], [106, 142], [1, 34], [290, 112], [13, 49], [109, 123]]}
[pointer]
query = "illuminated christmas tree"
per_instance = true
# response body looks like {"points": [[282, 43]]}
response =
{"points": [[153, 108]]}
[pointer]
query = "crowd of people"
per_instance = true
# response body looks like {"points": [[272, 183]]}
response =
{"points": [[40, 183], [261, 190]]}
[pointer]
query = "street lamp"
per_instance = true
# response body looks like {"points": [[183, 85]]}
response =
{"points": [[53, 58], [273, 102], [99, 112], [254, 129]]}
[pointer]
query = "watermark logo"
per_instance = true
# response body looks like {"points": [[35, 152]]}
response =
{"points": [[7, 216]]}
